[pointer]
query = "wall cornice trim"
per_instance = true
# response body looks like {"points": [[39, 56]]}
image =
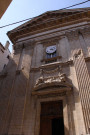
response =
{"points": [[52, 24]]}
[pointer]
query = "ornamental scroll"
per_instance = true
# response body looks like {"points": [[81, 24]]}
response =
{"points": [[51, 79], [56, 70]]}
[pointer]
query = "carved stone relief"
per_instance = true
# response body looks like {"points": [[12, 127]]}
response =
{"points": [[41, 80], [56, 81]]}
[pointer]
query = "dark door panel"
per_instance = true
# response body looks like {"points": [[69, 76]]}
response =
{"points": [[51, 120]]}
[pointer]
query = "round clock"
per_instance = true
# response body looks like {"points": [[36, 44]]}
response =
{"points": [[51, 49]]}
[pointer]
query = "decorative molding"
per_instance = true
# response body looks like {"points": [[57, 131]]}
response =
{"points": [[53, 95], [51, 59], [23, 45], [55, 64], [85, 31], [57, 33], [73, 34], [52, 82], [43, 25], [50, 71]]}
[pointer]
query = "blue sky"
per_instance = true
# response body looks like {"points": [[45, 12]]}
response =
{"points": [[23, 9]]}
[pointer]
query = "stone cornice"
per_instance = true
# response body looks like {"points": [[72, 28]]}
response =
{"points": [[54, 58], [55, 64], [43, 25], [23, 45], [55, 35], [74, 33]]}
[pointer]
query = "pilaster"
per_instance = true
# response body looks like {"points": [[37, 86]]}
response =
{"points": [[84, 85]]}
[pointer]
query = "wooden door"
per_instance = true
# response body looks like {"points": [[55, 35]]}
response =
{"points": [[51, 118], [45, 126]]}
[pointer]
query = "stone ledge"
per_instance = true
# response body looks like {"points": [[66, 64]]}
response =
{"points": [[51, 59], [55, 64]]}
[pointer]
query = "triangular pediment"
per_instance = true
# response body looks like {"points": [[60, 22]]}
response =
{"points": [[47, 16], [45, 20]]}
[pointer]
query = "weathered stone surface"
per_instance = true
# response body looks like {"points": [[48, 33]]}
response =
{"points": [[32, 78]]}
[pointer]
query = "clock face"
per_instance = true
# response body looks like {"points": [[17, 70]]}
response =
{"points": [[51, 49]]}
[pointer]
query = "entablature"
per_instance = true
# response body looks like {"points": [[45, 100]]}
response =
{"points": [[56, 33], [43, 25], [51, 38]]}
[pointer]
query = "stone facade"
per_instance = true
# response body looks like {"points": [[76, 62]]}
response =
{"points": [[33, 79]]}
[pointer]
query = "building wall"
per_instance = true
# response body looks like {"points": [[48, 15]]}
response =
{"points": [[20, 102], [3, 6], [4, 57]]}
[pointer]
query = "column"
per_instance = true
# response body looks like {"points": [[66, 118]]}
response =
{"points": [[84, 85]]}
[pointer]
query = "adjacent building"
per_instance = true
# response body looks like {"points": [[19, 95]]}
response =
{"points": [[3, 6], [46, 90], [4, 55]]}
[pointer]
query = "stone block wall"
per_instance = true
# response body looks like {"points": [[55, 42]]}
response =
{"points": [[20, 109]]}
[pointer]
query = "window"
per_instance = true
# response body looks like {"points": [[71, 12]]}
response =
{"points": [[48, 56], [51, 54]]}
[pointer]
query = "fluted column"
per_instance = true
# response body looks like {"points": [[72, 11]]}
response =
{"points": [[84, 85]]}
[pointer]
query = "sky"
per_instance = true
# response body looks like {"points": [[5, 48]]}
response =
{"points": [[23, 9]]}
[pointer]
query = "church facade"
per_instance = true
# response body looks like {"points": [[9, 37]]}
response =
{"points": [[45, 88]]}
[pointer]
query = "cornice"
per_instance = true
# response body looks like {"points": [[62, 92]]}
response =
{"points": [[74, 33], [55, 64], [54, 58], [47, 25], [56, 34], [85, 31], [21, 46]]}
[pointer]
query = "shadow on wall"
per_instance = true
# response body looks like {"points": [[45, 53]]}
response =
{"points": [[14, 87]]}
